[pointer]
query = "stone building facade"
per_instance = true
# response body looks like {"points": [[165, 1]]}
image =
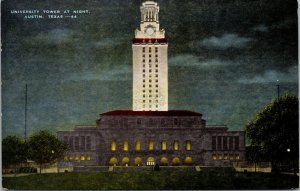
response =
{"points": [[141, 138], [150, 133]]}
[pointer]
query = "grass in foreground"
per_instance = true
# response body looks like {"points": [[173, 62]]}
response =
{"points": [[168, 180]]}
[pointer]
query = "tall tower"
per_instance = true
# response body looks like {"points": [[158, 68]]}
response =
{"points": [[150, 62]]}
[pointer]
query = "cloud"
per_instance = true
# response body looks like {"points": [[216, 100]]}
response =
{"points": [[261, 28], [190, 60], [107, 42], [225, 41], [120, 73], [55, 35], [272, 76]]}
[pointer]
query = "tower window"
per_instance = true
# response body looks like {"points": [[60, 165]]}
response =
{"points": [[156, 60], [143, 90], [143, 85], [156, 80], [144, 95], [150, 91], [144, 101], [156, 106], [144, 75], [143, 60], [143, 49], [156, 95], [143, 70], [150, 65], [143, 55], [156, 85], [149, 49], [156, 75], [149, 101], [150, 60], [150, 70], [156, 49], [156, 55], [156, 91], [150, 80], [150, 55], [150, 86], [150, 95], [144, 80], [156, 70], [143, 65]]}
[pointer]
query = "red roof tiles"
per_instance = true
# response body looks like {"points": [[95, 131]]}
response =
{"points": [[153, 113]]}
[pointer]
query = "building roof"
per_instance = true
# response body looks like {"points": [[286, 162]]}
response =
{"points": [[153, 113]]}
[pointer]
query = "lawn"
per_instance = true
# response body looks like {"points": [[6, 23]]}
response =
{"points": [[167, 180]]}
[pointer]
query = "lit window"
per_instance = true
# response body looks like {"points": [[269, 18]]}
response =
{"points": [[88, 157], [176, 145], [164, 161], [214, 157], [138, 146], [150, 161], [220, 157], [175, 161], [126, 146], [125, 161], [82, 157], [113, 146], [76, 157], [188, 145], [231, 156], [225, 156], [237, 157], [113, 161], [151, 146], [65, 157], [164, 145], [138, 161], [70, 157], [188, 160]]}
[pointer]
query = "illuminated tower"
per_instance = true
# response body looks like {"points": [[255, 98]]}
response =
{"points": [[150, 62]]}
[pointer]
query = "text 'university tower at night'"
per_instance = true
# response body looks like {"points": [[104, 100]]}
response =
{"points": [[150, 133]]}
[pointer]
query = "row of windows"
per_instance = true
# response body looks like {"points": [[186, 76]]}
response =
{"points": [[150, 76], [78, 142], [156, 56], [151, 145], [156, 60], [77, 157], [150, 49], [138, 161], [225, 143], [225, 156], [150, 70]]}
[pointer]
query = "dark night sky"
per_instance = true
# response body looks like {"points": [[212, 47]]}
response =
{"points": [[224, 59]]}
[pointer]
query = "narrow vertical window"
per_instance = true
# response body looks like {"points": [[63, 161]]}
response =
{"points": [[230, 143], [113, 146], [138, 146], [188, 146], [126, 146], [214, 143], [225, 147], [151, 146], [164, 145], [236, 143], [176, 145], [76, 143], [219, 143], [88, 143]]}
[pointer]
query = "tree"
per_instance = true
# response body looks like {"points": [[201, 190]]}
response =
{"points": [[45, 148], [254, 154], [275, 130], [14, 151]]}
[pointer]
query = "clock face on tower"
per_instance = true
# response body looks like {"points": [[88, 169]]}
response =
{"points": [[149, 30]]}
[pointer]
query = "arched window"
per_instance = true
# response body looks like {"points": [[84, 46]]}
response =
{"points": [[82, 157], [175, 161], [76, 157], [70, 157], [138, 146], [188, 160], [138, 161], [150, 161], [164, 161], [126, 146], [113, 145], [113, 161], [125, 161]]}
